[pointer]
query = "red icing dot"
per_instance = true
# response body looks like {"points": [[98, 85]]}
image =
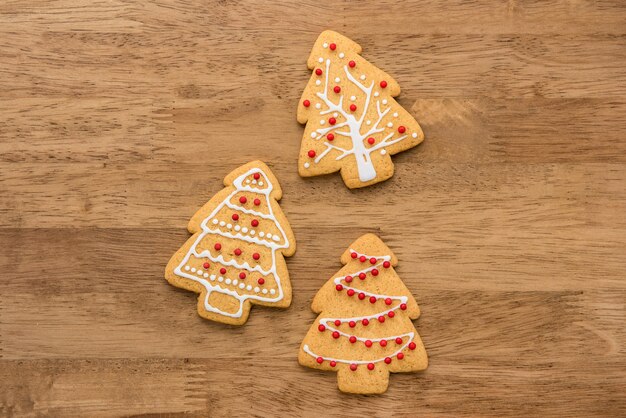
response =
{"points": [[254, 223], [242, 275], [237, 251], [348, 279], [352, 107], [352, 339], [206, 265], [243, 199], [261, 280], [332, 47], [319, 360], [370, 366], [256, 256], [337, 322], [311, 153], [362, 276], [337, 89], [235, 217], [352, 324], [361, 296], [362, 259], [333, 363], [400, 356], [222, 270], [383, 84], [373, 260], [365, 322], [352, 64], [381, 319], [386, 264], [387, 360], [383, 343], [256, 176], [412, 345], [218, 246], [374, 272], [403, 306], [330, 136], [335, 334], [368, 343], [321, 328], [401, 129], [372, 299], [350, 292], [391, 314], [388, 301], [371, 140], [306, 103], [353, 367], [318, 71], [398, 340], [339, 287], [332, 121], [354, 255], [257, 202]]}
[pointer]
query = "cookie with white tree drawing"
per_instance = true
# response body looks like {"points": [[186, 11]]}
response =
{"points": [[353, 123], [364, 330], [235, 257]]}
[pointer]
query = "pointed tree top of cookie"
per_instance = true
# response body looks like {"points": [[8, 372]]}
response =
{"points": [[255, 176], [371, 245]]}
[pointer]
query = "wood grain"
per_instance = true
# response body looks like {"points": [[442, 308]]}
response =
{"points": [[119, 119]]}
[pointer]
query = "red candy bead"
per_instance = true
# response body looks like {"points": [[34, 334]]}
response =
{"points": [[370, 366], [330, 136], [383, 343], [352, 107], [388, 301], [222, 270], [218, 246], [403, 306], [373, 260], [256, 176], [332, 47], [235, 217], [372, 299], [383, 84], [332, 121], [352, 339], [319, 360], [387, 360], [339, 287], [352, 64], [335, 334], [243, 199], [242, 275], [398, 340], [400, 356], [352, 324], [257, 202], [353, 367], [321, 328], [318, 71], [348, 279], [361, 296], [401, 129], [306, 103], [386, 264], [371, 140], [362, 259], [237, 251], [261, 280], [391, 314], [374, 272], [381, 319], [350, 292], [412, 345], [254, 223], [206, 265], [337, 322], [333, 363], [337, 89], [354, 255], [362, 276], [368, 343], [256, 256], [311, 153], [365, 322]]}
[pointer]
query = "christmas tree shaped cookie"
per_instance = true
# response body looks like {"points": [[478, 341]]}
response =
{"points": [[353, 124], [235, 256], [364, 330]]}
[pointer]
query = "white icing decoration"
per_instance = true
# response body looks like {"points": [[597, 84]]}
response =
{"points": [[252, 232], [244, 230], [325, 45], [264, 291], [215, 221], [318, 82], [239, 186], [212, 276], [318, 105], [362, 154], [248, 181], [193, 269], [187, 268], [337, 80], [253, 181], [307, 165], [242, 285], [235, 281], [335, 114], [229, 226], [237, 227], [261, 234], [384, 101], [341, 55], [320, 60], [199, 273], [322, 122], [389, 125], [352, 98], [414, 135], [257, 289], [395, 114], [313, 135], [272, 291], [383, 151], [248, 288], [362, 77], [368, 122], [222, 223]]}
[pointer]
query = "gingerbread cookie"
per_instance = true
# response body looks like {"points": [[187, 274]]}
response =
{"points": [[364, 330], [353, 124], [235, 256]]}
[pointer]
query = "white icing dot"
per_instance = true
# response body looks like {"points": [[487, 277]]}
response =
{"points": [[257, 289], [222, 223], [193, 269], [237, 227], [215, 221], [260, 183], [244, 230], [248, 287], [318, 82], [229, 226], [235, 281], [276, 238], [362, 77], [341, 55], [390, 124], [261, 234], [264, 291], [241, 285], [395, 114], [220, 279], [247, 181], [268, 236], [384, 101], [187, 268], [313, 135], [252, 232], [318, 106], [322, 122], [320, 59], [206, 275], [307, 165], [337, 79], [368, 122], [376, 94], [212, 276], [325, 45], [335, 114], [414, 135], [227, 281], [199, 273], [272, 291], [383, 151], [253, 181]]}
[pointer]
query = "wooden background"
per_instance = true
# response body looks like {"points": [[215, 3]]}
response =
{"points": [[118, 119]]}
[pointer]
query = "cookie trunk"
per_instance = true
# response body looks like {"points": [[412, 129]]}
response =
{"points": [[362, 380], [365, 167]]}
